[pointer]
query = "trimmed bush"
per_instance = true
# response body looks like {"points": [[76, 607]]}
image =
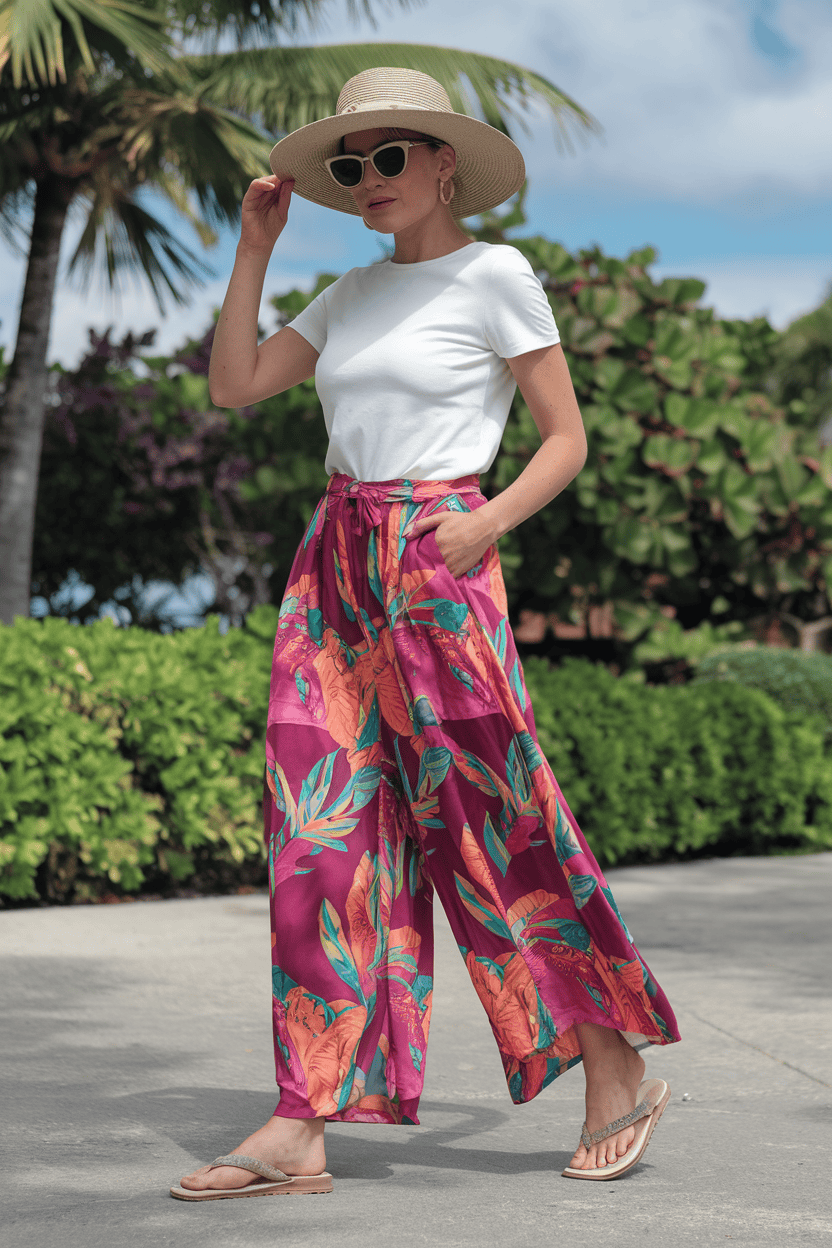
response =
{"points": [[127, 758], [797, 681], [133, 761], [658, 771]]}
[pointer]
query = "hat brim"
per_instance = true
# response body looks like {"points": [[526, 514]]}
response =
{"points": [[490, 167]]}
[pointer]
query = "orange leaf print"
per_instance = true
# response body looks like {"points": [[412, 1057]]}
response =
{"points": [[475, 860], [359, 908], [340, 691], [511, 1006], [325, 1046], [532, 903]]}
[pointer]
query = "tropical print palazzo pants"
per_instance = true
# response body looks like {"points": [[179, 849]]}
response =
{"points": [[402, 758]]}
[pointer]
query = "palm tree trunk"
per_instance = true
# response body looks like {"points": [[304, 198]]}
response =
{"points": [[22, 413]]}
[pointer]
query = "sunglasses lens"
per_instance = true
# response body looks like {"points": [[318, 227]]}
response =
{"points": [[390, 161], [347, 171]]}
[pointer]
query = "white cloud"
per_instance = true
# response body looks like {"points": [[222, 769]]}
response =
{"points": [[689, 105], [779, 287]]}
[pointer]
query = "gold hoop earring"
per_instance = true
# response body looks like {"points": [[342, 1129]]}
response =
{"points": [[367, 223], [452, 190]]}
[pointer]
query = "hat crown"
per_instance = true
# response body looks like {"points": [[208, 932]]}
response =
{"points": [[392, 88]]}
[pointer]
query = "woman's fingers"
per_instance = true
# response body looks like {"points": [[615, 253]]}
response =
{"points": [[418, 527], [459, 538]]}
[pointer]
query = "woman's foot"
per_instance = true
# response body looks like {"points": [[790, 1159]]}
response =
{"points": [[293, 1145], [613, 1071]]}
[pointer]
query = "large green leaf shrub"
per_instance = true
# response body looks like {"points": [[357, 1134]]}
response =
{"points": [[131, 760], [700, 493]]}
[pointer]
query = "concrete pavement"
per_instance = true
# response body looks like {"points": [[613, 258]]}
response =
{"points": [[137, 1045]]}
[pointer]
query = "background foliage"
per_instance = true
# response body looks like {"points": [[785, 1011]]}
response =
{"points": [[131, 761], [705, 496]]}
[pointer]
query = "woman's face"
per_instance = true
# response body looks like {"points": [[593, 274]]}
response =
{"points": [[391, 205]]}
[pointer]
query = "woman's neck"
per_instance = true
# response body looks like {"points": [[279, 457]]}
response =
{"points": [[433, 236]]}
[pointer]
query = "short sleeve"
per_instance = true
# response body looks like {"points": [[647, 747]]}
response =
{"points": [[517, 316], [311, 323]]}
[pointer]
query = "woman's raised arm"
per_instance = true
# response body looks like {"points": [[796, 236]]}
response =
{"points": [[242, 371]]}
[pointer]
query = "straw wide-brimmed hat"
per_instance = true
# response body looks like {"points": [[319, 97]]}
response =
{"points": [[489, 167]]}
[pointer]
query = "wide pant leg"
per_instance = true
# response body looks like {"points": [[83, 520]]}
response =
{"points": [[401, 751]]}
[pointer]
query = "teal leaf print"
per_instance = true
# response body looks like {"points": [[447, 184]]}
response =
{"points": [[516, 680], [462, 677], [310, 528], [492, 922], [492, 967], [315, 787], [282, 984], [421, 989], [501, 641], [572, 933], [450, 615], [416, 1057], [372, 631], [582, 887], [315, 624], [434, 765], [566, 843], [649, 983], [371, 730], [423, 712], [403, 772], [595, 994], [517, 775], [497, 851], [607, 891], [372, 567], [529, 750], [363, 786], [302, 686], [336, 948]]}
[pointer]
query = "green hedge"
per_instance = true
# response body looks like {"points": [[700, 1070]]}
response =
{"points": [[672, 770], [132, 761], [128, 758], [798, 682]]}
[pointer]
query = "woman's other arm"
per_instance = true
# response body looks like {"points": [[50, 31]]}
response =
{"points": [[241, 371], [544, 382]]}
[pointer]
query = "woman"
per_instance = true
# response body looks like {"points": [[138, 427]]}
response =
{"points": [[401, 749]]}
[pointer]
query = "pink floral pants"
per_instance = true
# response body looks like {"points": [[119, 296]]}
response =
{"points": [[402, 759]]}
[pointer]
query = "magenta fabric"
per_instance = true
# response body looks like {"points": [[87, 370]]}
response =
{"points": [[402, 759]]}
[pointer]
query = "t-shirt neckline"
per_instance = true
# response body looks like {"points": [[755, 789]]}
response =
{"points": [[437, 260]]}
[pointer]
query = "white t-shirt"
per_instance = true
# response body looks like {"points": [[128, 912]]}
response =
{"points": [[411, 373]]}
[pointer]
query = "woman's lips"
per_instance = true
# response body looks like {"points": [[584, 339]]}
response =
{"points": [[380, 203]]}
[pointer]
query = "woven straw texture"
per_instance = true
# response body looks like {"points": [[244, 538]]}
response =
{"points": [[489, 168]]}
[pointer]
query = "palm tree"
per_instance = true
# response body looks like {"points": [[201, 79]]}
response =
{"points": [[104, 100]]}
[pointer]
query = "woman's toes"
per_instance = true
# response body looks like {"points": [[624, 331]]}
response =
{"points": [[195, 1182]]}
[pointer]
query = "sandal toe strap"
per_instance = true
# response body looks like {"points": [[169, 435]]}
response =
{"points": [[641, 1111], [251, 1163]]}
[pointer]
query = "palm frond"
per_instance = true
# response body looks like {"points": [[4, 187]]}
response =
{"points": [[252, 22], [283, 88], [36, 37], [124, 238], [213, 152]]}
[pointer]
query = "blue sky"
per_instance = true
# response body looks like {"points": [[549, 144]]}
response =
{"points": [[716, 150]]}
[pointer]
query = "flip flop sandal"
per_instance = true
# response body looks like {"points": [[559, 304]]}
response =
{"points": [[277, 1183], [654, 1094]]}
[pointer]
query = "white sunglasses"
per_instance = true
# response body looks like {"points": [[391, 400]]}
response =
{"points": [[389, 161]]}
